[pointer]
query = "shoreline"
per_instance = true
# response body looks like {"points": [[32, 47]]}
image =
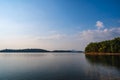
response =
{"points": [[93, 53]]}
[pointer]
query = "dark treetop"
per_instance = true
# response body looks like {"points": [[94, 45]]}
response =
{"points": [[108, 46]]}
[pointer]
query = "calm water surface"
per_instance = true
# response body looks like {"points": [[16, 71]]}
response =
{"points": [[58, 66]]}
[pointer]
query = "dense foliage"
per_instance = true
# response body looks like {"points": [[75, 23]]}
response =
{"points": [[108, 46]]}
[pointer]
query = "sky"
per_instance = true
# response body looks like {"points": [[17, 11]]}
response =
{"points": [[57, 24]]}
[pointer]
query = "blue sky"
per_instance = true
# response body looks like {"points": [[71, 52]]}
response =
{"points": [[57, 24]]}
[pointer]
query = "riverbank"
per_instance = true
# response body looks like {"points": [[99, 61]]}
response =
{"points": [[93, 53]]}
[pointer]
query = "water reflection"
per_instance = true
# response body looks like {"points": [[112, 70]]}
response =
{"points": [[57, 66], [107, 61], [41, 66]]}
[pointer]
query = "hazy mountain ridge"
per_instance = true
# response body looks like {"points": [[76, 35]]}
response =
{"points": [[24, 50], [36, 50]]}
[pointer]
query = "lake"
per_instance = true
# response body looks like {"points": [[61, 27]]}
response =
{"points": [[58, 66]]}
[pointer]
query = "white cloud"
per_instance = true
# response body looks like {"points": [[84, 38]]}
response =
{"points": [[88, 36], [52, 37], [79, 40], [105, 30], [99, 24]]}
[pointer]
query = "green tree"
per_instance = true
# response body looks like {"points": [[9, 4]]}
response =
{"points": [[108, 46]]}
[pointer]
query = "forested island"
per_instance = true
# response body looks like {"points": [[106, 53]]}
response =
{"points": [[105, 47]]}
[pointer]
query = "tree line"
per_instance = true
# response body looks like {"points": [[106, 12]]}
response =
{"points": [[108, 46]]}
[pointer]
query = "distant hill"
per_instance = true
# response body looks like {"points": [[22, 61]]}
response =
{"points": [[73, 51], [37, 50], [108, 46], [24, 50]]}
